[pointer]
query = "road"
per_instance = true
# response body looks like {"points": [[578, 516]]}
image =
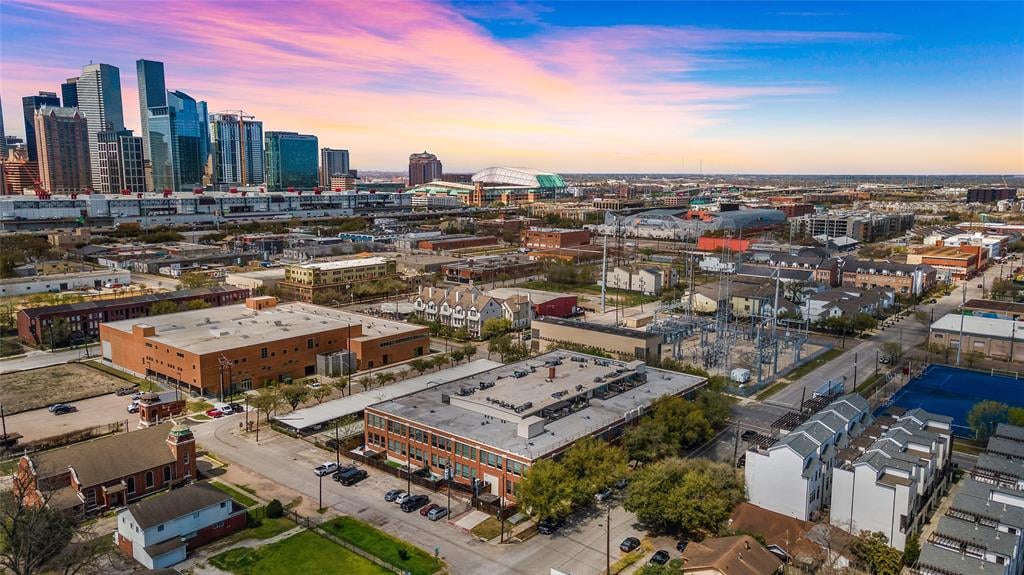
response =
{"points": [[36, 358], [908, 330], [578, 548]]}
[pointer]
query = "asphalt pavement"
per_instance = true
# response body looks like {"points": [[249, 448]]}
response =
{"points": [[36, 358]]}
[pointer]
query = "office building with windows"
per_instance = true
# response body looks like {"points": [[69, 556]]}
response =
{"points": [[62, 140], [69, 93], [176, 143], [30, 105], [121, 164], [236, 140], [424, 168], [290, 160], [99, 99], [332, 161]]}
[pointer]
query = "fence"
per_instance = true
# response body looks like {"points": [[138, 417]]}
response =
{"points": [[314, 525], [64, 439]]}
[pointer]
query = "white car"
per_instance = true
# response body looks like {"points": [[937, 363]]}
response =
{"points": [[314, 385], [402, 498], [226, 409], [133, 407], [325, 469]]}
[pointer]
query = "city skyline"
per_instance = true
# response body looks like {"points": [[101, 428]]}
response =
{"points": [[574, 87]]}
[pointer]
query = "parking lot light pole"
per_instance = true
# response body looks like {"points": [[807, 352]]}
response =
{"points": [[448, 475]]}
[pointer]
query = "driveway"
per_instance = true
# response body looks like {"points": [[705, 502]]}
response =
{"points": [[579, 548], [36, 358]]}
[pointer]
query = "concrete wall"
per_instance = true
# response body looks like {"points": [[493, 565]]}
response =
{"points": [[774, 482]]}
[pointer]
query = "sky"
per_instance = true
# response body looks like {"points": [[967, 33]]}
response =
{"points": [[655, 87]]}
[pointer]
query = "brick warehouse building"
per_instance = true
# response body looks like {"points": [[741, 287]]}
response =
{"points": [[490, 427], [110, 471], [551, 238], [247, 346], [86, 316], [317, 281]]}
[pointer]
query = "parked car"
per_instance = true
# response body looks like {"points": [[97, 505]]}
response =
{"points": [[402, 497], [393, 494], [350, 476], [549, 526], [325, 468], [437, 513], [63, 408], [55, 406], [622, 483], [236, 407], [226, 410], [137, 395], [214, 413], [748, 435], [133, 407], [628, 544], [314, 385], [660, 557], [331, 444], [603, 495], [681, 545], [125, 391], [428, 508], [414, 502]]}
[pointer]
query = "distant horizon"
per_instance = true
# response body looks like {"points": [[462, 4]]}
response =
{"points": [[653, 87]]}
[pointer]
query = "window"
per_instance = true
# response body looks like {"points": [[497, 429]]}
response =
{"points": [[130, 483], [309, 343], [223, 504], [263, 353], [149, 479], [185, 459], [159, 528], [167, 473]]}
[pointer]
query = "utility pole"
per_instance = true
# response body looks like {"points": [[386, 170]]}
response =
{"points": [[608, 540], [960, 341], [855, 370], [736, 444]]}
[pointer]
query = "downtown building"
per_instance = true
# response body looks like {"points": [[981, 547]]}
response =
{"points": [[178, 144], [333, 162], [99, 100], [69, 92], [121, 164], [30, 105], [424, 168], [490, 427], [152, 94], [62, 146], [236, 141], [291, 160]]}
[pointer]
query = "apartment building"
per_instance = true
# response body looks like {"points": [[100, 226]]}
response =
{"points": [[847, 302], [793, 475], [952, 263], [468, 307], [890, 478], [488, 268], [862, 226], [904, 279], [319, 281], [646, 280]]}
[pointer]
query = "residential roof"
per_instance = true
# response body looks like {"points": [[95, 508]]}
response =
{"points": [[977, 535], [1008, 431], [992, 305], [164, 547], [974, 499], [952, 562], [788, 533], [1000, 465], [736, 555], [176, 503], [108, 458], [1007, 447]]}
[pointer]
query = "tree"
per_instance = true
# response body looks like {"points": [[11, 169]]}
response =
{"points": [[892, 349], [546, 491], [985, 416], [688, 495], [439, 360], [912, 550], [873, 551], [715, 406], [420, 365], [973, 357], [194, 280], [196, 304], [293, 394], [267, 400], [651, 569], [58, 333], [320, 394], [1015, 416], [162, 307], [457, 356], [1002, 287], [343, 384], [39, 538], [469, 350], [593, 464], [495, 326], [674, 424]]}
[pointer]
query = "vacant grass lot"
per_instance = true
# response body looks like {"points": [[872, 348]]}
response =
{"points": [[487, 529], [35, 388], [382, 545], [619, 296], [305, 552]]}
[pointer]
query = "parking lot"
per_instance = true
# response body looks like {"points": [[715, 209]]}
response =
{"points": [[102, 410]]}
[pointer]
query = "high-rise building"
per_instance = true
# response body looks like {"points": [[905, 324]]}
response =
{"points": [[120, 166], [290, 160], [69, 92], [332, 161], [19, 172], [3, 135], [176, 142], [99, 98], [423, 168], [29, 106], [152, 94], [62, 143], [237, 146], [206, 172]]}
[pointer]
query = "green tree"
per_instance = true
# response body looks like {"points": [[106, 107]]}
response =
{"points": [[674, 424], [420, 365], [267, 400], [873, 551], [439, 361], [547, 490], [1015, 416], [163, 307], [293, 394], [196, 304], [343, 384], [985, 416], [657, 570], [593, 465], [194, 280], [715, 406], [912, 550], [973, 357], [58, 333], [469, 350], [457, 356], [495, 326], [687, 495], [320, 394], [1002, 287]]}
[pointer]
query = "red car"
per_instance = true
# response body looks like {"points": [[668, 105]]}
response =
{"points": [[427, 508], [215, 413]]}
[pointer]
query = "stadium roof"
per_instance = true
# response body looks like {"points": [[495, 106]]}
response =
{"points": [[519, 177]]}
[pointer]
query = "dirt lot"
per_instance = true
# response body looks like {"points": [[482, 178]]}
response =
{"points": [[26, 390]]}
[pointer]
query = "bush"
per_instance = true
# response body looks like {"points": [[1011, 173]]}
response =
{"points": [[275, 509], [403, 554]]}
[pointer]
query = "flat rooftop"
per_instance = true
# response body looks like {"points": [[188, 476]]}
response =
{"points": [[520, 409], [536, 296], [72, 275], [217, 329], [343, 264], [600, 328], [980, 326]]}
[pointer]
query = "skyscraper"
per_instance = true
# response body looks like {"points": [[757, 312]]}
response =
{"points": [[237, 146], [29, 106], [62, 142], [332, 161], [99, 98], [206, 171], [423, 168], [290, 160], [69, 92], [120, 165], [3, 135], [176, 142], [152, 94]]}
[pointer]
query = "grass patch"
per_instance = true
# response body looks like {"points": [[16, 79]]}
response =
{"points": [[305, 552], [264, 528], [235, 494], [621, 296], [394, 464], [197, 405], [201, 417], [246, 489], [870, 384], [814, 364], [771, 390], [966, 446], [382, 545], [96, 364], [632, 557], [488, 529]]}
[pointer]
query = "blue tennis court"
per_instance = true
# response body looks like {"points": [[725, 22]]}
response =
{"points": [[953, 392]]}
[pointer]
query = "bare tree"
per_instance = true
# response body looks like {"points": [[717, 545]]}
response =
{"points": [[36, 538]]}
